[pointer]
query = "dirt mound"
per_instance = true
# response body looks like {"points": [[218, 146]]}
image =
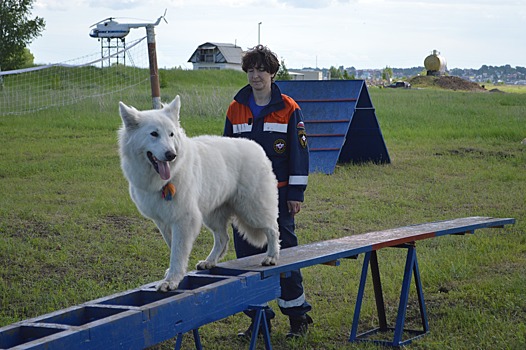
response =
{"points": [[497, 90], [445, 82]]}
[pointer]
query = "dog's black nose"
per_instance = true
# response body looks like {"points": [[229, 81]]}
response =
{"points": [[170, 155]]}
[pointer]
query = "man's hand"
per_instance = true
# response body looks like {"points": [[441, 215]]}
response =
{"points": [[294, 207]]}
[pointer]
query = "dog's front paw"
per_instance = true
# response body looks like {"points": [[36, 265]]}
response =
{"points": [[166, 286], [204, 265], [269, 261]]}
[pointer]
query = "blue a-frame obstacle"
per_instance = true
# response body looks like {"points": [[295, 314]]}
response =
{"points": [[340, 121]]}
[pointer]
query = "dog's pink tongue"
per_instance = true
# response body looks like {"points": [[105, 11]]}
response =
{"points": [[164, 170]]}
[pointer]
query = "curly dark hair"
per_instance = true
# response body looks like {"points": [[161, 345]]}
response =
{"points": [[260, 57]]}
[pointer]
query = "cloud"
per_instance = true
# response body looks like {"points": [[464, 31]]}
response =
{"points": [[57, 5], [66, 5], [312, 4], [116, 4], [131, 4]]}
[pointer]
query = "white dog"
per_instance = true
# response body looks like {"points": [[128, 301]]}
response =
{"points": [[182, 183]]}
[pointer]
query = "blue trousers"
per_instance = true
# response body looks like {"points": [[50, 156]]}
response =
{"points": [[292, 301]]}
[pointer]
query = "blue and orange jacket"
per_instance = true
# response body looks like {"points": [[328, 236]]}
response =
{"points": [[280, 130]]}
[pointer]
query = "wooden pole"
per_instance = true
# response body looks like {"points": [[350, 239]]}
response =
{"points": [[154, 73]]}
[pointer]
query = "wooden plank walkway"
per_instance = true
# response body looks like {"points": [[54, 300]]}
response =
{"points": [[369, 243], [331, 250]]}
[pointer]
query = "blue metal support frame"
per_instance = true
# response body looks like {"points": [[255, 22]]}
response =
{"points": [[197, 340], [260, 319], [411, 268]]}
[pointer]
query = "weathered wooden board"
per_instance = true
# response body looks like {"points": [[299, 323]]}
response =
{"points": [[327, 251]]}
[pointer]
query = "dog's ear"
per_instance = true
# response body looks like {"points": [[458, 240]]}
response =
{"points": [[129, 116], [172, 110]]}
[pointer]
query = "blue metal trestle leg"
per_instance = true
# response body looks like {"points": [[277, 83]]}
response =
{"points": [[260, 319], [411, 268], [197, 340]]}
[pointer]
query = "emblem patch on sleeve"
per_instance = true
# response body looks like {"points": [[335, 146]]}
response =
{"points": [[280, 146], [302, 137]]}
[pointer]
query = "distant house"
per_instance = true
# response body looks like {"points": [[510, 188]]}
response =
{"points": [[217, 56], [305, 74]]}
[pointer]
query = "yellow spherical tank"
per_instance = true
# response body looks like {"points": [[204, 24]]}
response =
{"points": [[435, 64]]}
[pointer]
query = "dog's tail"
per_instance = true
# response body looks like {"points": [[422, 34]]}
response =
{"points": [[255, 236]]}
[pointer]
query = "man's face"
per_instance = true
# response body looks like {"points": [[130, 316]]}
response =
{"points": [[259, 78]]}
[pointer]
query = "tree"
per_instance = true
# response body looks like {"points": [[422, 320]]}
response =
{"points": [[283, 72], [16, 32], [387, 73], [335, 73], [28, 58]]}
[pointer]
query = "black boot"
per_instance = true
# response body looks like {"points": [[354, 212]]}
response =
{"points": [[299, 326], [248, 333]]}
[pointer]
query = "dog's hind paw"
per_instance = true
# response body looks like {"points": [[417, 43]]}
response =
{"points": [[166, 286], [204, 265], [269, 261]]}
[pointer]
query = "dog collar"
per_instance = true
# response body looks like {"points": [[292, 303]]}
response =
{"points": [[168, 191]]}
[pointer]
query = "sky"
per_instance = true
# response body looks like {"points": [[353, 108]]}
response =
{"points": [[365, 34]]}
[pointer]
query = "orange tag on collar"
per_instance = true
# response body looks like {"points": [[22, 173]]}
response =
{"points": [[168, 191]]}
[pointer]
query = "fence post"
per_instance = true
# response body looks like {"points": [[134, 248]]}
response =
{"points": [[154, 73]]}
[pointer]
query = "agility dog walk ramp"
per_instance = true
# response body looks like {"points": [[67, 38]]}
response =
{"points": [[340, 122], [143, 317]]}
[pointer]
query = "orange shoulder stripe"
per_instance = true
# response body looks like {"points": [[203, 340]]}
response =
{"points": [[282, 116], [238, 113]]}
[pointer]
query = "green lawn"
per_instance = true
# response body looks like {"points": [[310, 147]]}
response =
{"points": [[69, 232]]}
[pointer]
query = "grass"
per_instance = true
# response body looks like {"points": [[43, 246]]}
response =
{"points": [[520, 89], [69, 232]]}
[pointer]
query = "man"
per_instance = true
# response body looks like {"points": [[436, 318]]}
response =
{"points": [[261, 113]]}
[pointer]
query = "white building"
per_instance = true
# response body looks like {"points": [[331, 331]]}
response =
{"points": [[217, 56], [305, 74]]}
